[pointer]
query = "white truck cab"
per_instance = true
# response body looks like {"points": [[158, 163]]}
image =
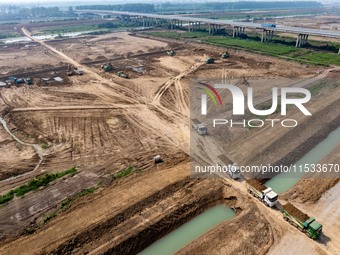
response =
{"points": [[270, 197], [234, 171], [201, 129]]}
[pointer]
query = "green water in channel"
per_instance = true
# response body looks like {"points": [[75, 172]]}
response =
{"points": [[189, 231], [284, 181]]}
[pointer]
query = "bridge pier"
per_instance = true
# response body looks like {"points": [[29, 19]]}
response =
{"points": [[213, 28], [301, 40], [237, 31], [267, 35], [146, 22]]}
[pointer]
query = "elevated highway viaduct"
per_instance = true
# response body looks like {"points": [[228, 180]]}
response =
{"points": [[192, 23]]}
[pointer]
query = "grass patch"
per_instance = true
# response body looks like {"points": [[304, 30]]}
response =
{"points": [[123, 173], [176, 35], [279, 49], [69, 29], [7, 197], [67, 202], [50, 216], [8, 35], [35, 184]]}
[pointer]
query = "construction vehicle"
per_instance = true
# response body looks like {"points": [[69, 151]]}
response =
{"points": [[264, 194], [171, 53], [199, 127], [72, 70], [232, 169], [122, 74], [28, 81], [12, 79], [15, 80], [302, 221], [19, 81], [225, 54], [107, 67], [210, 61], [268, 25]]}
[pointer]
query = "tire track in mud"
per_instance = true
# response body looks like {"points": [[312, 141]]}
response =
{"points": [[36, 147], [174, 80]]}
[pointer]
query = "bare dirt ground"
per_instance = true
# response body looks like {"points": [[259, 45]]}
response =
{"points": [[103, 47], [23, 57], [327, 22], [25, 159], [104, 123]]}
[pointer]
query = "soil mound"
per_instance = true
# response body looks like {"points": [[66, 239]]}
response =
{"points": [[292, 210]]}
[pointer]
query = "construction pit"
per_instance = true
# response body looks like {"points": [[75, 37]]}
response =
{"points": [[103, 123]]}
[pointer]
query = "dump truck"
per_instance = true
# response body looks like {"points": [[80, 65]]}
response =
{"points": [[171, 52], [107, 67], [225, 54], [263, 193], [232, 169], [302, 221], [199, 127], [122, 74], [210, 61], [268, 25]]}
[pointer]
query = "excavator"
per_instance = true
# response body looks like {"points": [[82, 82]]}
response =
{"points": [[107, 67], [72, 70], [171, 53]]}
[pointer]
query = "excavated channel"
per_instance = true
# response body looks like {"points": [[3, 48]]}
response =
{"points": [[191, 230], [284, 181]]}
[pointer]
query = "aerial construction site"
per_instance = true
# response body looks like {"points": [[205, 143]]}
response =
{"points": [[101, 131]]}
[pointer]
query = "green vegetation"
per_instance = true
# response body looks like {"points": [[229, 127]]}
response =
{"points": [[8, 35], [50, 216], [179, 35], [42, 12], [99, 32], [123, 173], [35, 184], [7, 197], [69, 29], [67, 203], [168, 7], [285, 51], [99, 29]]}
